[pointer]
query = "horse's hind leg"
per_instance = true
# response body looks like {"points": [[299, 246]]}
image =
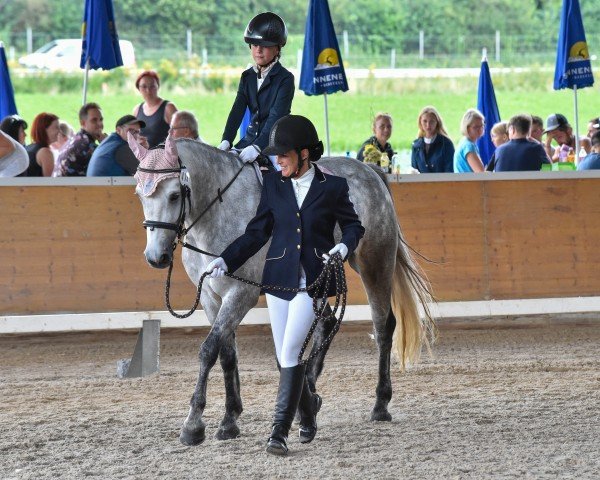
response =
{"points": [[377, 279], [228, 428]]}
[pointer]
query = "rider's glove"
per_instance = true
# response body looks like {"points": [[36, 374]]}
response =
{"points": [[224, 145], [216, 268], [339, 248], [249, 154]]}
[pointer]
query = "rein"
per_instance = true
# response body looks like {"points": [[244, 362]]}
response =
{"points": [[333, 267]]}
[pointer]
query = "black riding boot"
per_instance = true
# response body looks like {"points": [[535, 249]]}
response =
{"points": [[291, 380], [309, 406]]}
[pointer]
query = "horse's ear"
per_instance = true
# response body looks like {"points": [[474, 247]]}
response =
{"points": [[138, 150], [171, 151]]}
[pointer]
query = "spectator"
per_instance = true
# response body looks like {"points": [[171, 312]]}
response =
{"points": [[559, 130], [184, 125], [14, 126], [13, 157], [266, 35], [65, 132], [499, 135], [432, 151], [382, 129], [466, 156], [113, 157], [44, 131], [592, 160], [593, 126], [537, 128], [75, 156], [155, 112], [520, 153]]}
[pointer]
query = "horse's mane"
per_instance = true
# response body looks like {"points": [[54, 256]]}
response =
{"points": [[192, 152]]}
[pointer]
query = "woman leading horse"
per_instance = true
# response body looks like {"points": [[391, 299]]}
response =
{"points": [[299, 209]]}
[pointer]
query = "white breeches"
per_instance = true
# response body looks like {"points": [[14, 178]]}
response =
{"points": [[290, 322]]}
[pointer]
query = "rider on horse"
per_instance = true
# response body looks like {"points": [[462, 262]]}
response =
{"points": [[266, 89]]}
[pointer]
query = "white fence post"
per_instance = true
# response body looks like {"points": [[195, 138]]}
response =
{"points": [[421, 44], [346, 47], [497, 46], [29, 40], [189, 43], [204, 57], [393, 59]]}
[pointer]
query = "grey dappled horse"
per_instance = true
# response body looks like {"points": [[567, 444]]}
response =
{"points": [[391, 279]]}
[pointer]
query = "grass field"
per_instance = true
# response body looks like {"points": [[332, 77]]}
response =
{"points": [[350, 114]]}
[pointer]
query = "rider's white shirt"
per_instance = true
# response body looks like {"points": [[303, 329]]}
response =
{"points": [[302, 184]]}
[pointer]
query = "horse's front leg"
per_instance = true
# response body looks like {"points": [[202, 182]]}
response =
{"points": [[193, 429], [228, 428]]}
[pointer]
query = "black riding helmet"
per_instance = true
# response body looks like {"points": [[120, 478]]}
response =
{"points": [[266, 29], [294, 132]]}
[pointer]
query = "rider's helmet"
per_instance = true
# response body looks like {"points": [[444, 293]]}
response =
{"points": [[294, 132], [266, 29]]}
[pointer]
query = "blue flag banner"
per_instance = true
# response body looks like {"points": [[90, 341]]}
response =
{"points": [[486, 104], [322, 67], [7, 94], [99, 34], [573, 68]]}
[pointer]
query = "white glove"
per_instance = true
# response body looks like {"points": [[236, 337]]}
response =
{"points": [[339, 248], [224, 145], [216, 268], [249, 154]]}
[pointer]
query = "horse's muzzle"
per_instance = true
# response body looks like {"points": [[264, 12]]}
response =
{"points": [[161, 262]]}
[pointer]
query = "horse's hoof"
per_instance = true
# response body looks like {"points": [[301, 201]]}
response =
{"points": [[192, 439], [381, 416], [227, 433]]}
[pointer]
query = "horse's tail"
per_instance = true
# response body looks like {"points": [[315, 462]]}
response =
{"points": [[409, 288]]}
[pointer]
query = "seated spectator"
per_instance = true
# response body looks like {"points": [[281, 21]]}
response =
{"points": [[499, 135], [75, 156], [13, 157], [520, 153], [466, 156], [65, 132], [113, 157], [382, 129], [537, 128], [14, 126], [432, 151], [559, 130], [592, 160], [593, 126], [184, 125], [155, 112], [44, 131]]}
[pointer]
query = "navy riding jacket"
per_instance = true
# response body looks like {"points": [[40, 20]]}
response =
{"points": [[300, 235], [267, 105], [439, 159]]}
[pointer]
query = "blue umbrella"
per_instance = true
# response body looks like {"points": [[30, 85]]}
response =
{"points": [[486, 104], [100, 41], [573, 69], [7, 94], [322, 67]]}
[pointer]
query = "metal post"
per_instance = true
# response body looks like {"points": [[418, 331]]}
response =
{"points": [[577, 147], [497, 46], [393, 59], [189, 43], [85, 80], [421, 44], [346, 46], [327, 125], [204, 57], [29, 40]]}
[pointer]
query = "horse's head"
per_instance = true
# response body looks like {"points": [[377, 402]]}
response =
{"points": [[161, 195]]}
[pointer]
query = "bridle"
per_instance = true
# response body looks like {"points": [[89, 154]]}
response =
{"points": [[179, 227]]}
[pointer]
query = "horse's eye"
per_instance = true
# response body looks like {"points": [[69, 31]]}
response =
{"points": [[174, 197]]}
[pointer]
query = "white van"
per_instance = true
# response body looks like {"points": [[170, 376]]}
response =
{"points": [[65, 54]]}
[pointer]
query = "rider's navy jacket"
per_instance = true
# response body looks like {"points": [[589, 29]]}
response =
{"points": [[267, 105], [300, 235]]}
